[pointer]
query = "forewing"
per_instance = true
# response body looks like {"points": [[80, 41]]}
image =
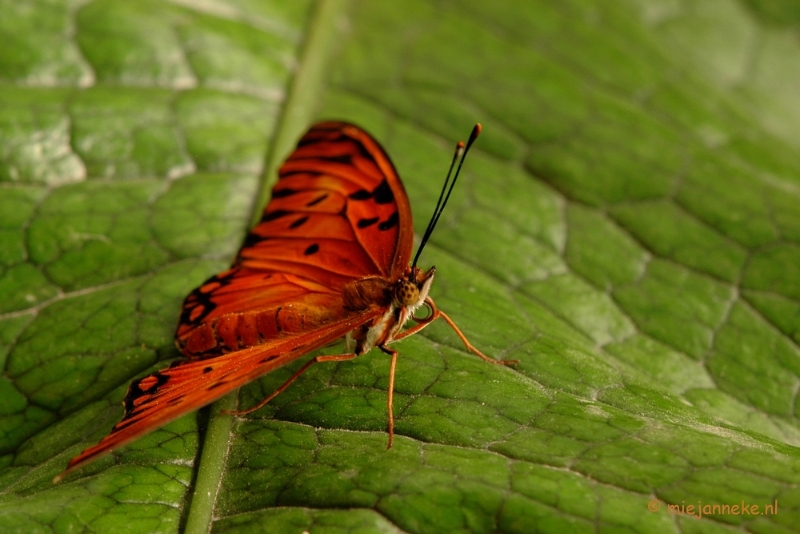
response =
{"points": [[165, 395], [338, 213]]}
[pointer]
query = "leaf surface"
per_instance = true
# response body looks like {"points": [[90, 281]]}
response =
{"points": [[627, 227]]}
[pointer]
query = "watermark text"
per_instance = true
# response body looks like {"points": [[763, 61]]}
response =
{"points": [[701, 509]]}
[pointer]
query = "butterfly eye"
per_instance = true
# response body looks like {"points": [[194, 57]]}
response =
{"points": [[406, 293]]}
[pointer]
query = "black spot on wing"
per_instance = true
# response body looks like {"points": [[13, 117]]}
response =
{"points": [[305, 141], [208, 369], [310, 174], [317, 200], [299, 222], [364, 223], [361, 194], [383, 193], [144, 387], [202, 299], [188, 309], [151, 383], [272, 215], [281, 193], [362, 150], [122, 424], [342, 158], [389, 223], [348, 143], [337, 137], [253, 239], [313, 249]]}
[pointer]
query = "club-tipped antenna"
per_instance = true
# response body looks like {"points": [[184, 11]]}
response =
{"points": [[461, 152]]}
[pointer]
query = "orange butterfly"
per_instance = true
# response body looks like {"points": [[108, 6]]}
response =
{"points": [[329, 259]]}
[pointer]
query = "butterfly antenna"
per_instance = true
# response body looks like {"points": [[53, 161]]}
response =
{"points": [[437, 209], [461, 151]]}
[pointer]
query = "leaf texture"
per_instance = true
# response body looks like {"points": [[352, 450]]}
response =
{"points": [[627, 226]]}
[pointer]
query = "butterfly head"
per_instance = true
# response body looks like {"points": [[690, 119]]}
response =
{"points": [[413, 288]]}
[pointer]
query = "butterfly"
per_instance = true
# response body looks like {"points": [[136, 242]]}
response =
{"points": [[329, 259]]}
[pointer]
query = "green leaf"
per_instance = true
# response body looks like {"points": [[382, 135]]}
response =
{"points": [[627, 227]]}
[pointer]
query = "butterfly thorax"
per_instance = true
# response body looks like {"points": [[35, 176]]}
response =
{"points": [[362, 294], [398, 301]]}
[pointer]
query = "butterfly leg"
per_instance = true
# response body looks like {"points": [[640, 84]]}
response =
{"points": [[434, 314], [392, 367], [470, 346], [295, 376], [421, 322]]}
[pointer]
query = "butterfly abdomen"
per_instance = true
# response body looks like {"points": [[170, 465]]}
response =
{"points": [[237, 331]]}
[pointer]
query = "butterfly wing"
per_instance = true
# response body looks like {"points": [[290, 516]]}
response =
{"points": [[165, 395], [338, 213]]}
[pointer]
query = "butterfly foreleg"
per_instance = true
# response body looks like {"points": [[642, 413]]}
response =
{"points": [[435, 313], [295, 376], [470, 346], [422, 322]]}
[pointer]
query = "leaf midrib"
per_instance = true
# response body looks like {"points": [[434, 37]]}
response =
{"points": [[298, 111]]}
